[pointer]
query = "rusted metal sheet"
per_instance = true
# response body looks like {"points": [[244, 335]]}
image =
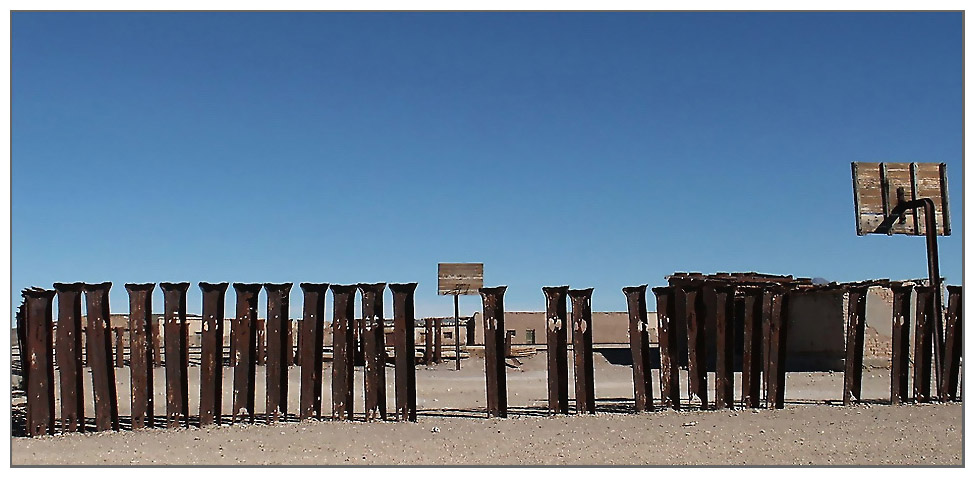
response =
{"points": [[69, 357], [953, 344], [752, 358], [99, 352], [900, 343], [140, 354], [922, 345], [244, 345], [636, 304], [343, 351], [582, 349], [405, 349], [697, 378], [311, 336], [856, 322], [719, 302], [438, 340], [374, 347], [428, 341], [174, 335], [211, 353], [666, 332], [39, 351], [261, 342], [277, 351], [778, 331], [492, 299], [557, 348]]}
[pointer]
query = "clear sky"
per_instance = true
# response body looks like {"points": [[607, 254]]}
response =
{"points": [[585, 149]]}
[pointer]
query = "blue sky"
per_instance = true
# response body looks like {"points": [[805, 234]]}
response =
{"points": [[590, 149]]}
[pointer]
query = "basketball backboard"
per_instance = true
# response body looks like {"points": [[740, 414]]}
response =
{"points": [[460, 278], [875, 188]]}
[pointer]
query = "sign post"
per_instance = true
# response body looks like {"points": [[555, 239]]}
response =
{"points": [[458, 279]]}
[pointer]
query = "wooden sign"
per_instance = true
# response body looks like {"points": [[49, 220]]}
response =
{"points": [[460, 278], [875, 188]]}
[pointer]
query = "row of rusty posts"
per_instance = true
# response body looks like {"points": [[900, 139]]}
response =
{"points": [[558, 321]]}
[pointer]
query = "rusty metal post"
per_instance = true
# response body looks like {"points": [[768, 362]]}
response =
{"points": [[119, 347], [157, 360], [557, 349], [69, 357], [767, 299], [953, 344], [900, 343], [311, 336], [277, 351], [492, 299], [923, 331], [211, 353], [667, 345], [775, 395], [39, 351], [697, 374], [243, 332], [177, 386], [582, 349], [720, 305], [752, 358], [438, 340], [508, 335], [374, 349], [428, 341], [403, 323], [297, 327], [99, 352], [856, 322], [262, 342], [140, 354], [636, 304], [343, 351], [289, 342]]}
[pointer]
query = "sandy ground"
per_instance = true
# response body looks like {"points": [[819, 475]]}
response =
{"points": [[453, 428]]}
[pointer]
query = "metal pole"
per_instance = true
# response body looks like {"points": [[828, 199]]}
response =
{"points": [[177, 388], [40, 361], [99, 353], [557, 350], [69, 357], [403, 324], [211, 353], [456, 331], [140, 353], [244, 360], [582, 349], [494, 369], [311, 335], [636, 302]]}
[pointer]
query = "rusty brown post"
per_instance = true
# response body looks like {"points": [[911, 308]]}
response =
{"points": [[69, 357], [289, 342], [557, 349], [343, 351], [767, 299], [119, 347], [582, 349], [923, 331], [492, 299], [856, 322], [508, 336], [636, 304], [438, 340], [719, 302], [697, 379], [900, 343], [667, 345], [140, 354], [39, 351], [403, 323], [752, 358], [428, 341], [244, 339], [157, 360], [211, 353], [262, 342], [775, 394], [374, 349], [177, 386], [277, 365], [311, 336], [99, 352], [953, 344]]}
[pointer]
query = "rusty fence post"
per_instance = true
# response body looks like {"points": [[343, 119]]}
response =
{"points": [[277, 354], [39, 350], [119, 347], [211, 353], [667, 345], [778, 330], [689, 296], [243, 339], [343, 351], [438, 340], [405, 349], [719, 300], [923, 331], [69, 357], [900, 343], [557, 348], [140, 354], [261, 342], [855, 326], [767, 299], [99, 353], [582, 349], [953, 344], [752, 358], [174, 336], [492, 299], [636, 304], [374, 349], [428, 340], [311, 336], [289, 341], [157, 360]]}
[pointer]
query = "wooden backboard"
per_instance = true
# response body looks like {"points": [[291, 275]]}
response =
{"points": [[460, 278], [875, 195]]}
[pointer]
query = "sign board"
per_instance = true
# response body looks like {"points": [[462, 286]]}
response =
{"points": [[460, 278], [875, 196]]}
